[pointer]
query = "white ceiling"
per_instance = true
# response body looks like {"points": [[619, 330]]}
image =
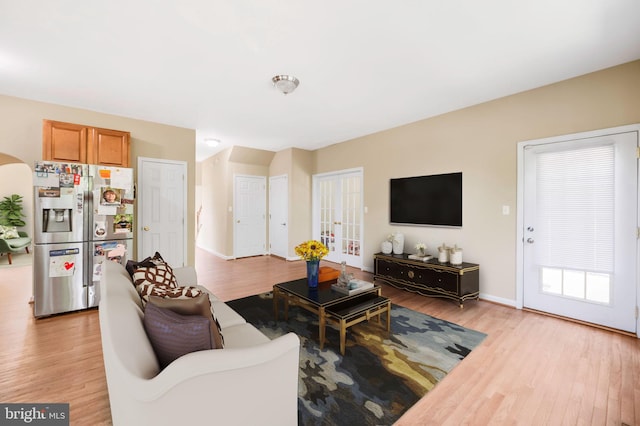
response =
{"points": [[364, 66]]}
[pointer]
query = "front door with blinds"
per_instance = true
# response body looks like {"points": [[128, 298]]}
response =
{"points": [[580, 229]]}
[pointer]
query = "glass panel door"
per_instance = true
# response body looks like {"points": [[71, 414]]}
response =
{"points": [[338, 216]]}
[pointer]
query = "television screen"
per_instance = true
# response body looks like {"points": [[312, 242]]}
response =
{"points": [[434, 200]]}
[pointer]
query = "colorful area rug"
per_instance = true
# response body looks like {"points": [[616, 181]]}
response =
{"points": [[381, 374]]}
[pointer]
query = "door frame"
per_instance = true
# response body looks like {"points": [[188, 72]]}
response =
{"points": [[139, 207], [269, 207], [315, 208], [520, 204]]}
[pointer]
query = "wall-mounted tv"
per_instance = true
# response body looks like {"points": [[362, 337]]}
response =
{"points": [[434, 200]]}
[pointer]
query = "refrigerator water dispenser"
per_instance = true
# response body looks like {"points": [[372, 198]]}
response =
{"points": [[56, 220]]}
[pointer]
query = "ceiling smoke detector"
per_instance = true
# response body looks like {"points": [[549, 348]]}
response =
{"points": [[285, 83]]}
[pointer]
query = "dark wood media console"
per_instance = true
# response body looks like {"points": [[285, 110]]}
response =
{"points": [[431, 278]]}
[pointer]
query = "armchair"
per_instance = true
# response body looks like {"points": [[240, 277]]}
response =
{"points": [[15, 245]]}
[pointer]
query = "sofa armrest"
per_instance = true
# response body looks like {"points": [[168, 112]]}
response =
{"points": [[254, 385], [215, 361], [186, 276]]}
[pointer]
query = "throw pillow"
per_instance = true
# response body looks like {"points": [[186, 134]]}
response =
{"points": [[148, 289], [150, 261], [173, 335], [198, 305], [160, 274], [8, 232]]}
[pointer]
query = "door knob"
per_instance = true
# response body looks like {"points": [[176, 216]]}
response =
{"points": [[146, 228], [530, 240]]}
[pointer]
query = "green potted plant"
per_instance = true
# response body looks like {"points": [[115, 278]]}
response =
{"points": [[11, 211]]}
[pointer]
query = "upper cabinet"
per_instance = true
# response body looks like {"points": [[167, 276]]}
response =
{"points": [[77, 143], [108, 147], [64, 142]]}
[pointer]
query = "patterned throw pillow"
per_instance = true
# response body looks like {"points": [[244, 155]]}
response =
{"points": [[150, 261], [8, 232], [147, 289], [160, 274], [173, 335], [198, 305]]}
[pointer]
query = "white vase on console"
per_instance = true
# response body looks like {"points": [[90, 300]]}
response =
{"points": [[398, 243], [386, 247]]}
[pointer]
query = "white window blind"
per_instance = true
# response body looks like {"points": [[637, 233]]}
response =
{"points": [[575, 209]]}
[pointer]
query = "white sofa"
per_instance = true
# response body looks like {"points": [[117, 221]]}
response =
{"points": [[252, 381]]}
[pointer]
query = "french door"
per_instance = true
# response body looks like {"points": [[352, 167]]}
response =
{"points": [[580, 228], [337, 215]]}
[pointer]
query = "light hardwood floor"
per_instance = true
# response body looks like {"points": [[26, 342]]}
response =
{"points": [[531, 369]]}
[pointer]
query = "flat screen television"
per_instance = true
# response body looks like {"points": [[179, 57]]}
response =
{"points": [[434, 200]]}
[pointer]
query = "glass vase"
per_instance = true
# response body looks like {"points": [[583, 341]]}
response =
{"points": [[313, 267]]}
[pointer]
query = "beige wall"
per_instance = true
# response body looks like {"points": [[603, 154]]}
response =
{"points": [[216, 234], [218, 171], [21, 137], [297, 164], [481, 142], [215, 201]]}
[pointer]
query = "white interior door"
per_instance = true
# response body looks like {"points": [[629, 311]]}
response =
{"points": [[278, 215], [338, 215], [249, 217], [580, 231], [162, 209]]}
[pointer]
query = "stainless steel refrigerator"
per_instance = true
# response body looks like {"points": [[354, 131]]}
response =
{"points": [[83, 217]]}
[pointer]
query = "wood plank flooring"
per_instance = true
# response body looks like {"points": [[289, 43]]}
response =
{"points": [[530, 370]]}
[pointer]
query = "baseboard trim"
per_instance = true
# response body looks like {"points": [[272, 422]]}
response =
{"points": [[220, 255], [498, 300]]}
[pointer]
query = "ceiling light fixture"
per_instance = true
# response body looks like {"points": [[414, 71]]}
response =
{"points": [[212, 143], [285, 83]]}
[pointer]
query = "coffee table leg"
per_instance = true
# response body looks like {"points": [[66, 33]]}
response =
{"points": [[275, 304], [286, 307], [321, 329], [343, 335], [389, 316]]}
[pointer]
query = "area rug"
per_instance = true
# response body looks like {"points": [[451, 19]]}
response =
{"points": [[381, 374]]}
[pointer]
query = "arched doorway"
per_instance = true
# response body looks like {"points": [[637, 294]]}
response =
{"points": [[16, 177]]}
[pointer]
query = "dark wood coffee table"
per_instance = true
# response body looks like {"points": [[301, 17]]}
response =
{"points": [[354, 311], [318, 301]]}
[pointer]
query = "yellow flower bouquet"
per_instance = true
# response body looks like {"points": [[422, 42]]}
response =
{"points": [[311, 250]]}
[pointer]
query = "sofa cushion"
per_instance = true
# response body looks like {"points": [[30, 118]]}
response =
{"points": [[199, 305], [226, 316], [243, 336], [173, 335], [18, 243]]}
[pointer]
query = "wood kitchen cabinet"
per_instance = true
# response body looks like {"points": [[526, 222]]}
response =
{"points": [[77, 143]]}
